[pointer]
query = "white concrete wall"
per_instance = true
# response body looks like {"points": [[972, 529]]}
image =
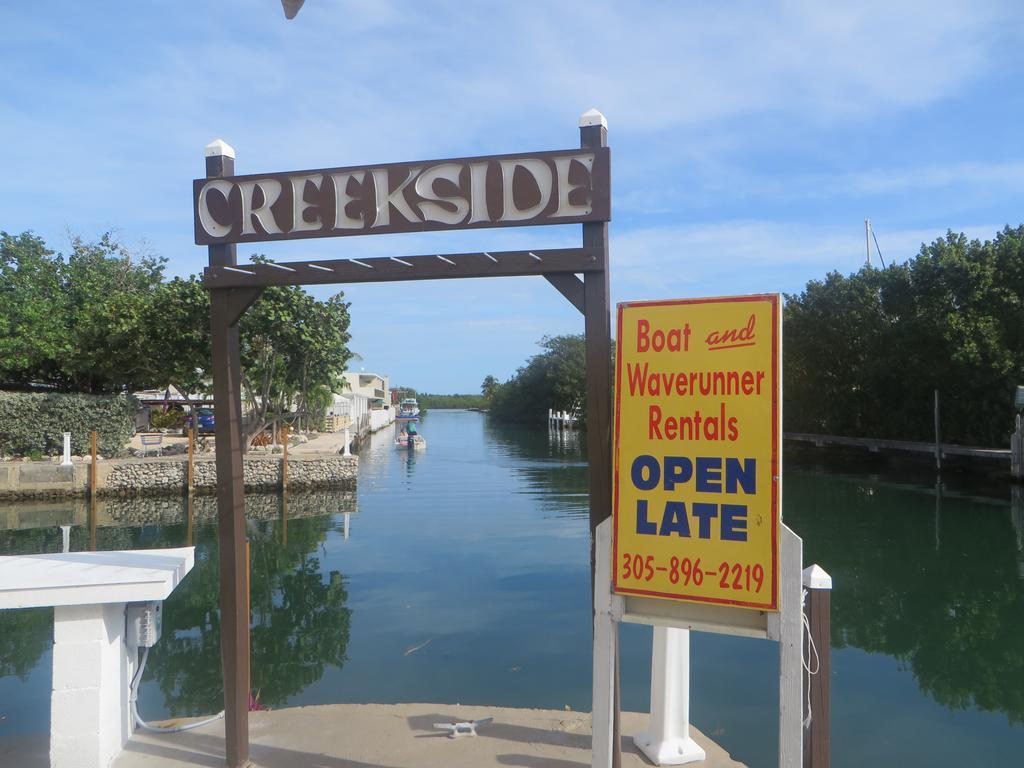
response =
{"points": [[89, 713], [382, 418]]}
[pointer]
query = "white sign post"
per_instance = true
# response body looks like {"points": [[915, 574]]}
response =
{"points": [[696, 540], [667, 739], [67, 450], [784, 626]]}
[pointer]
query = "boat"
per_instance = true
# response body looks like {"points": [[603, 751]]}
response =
{"points": [[408, 408], [419, 443]]}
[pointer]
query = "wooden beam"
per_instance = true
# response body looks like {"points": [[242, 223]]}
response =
{"points": [[597, 324], [234, 620], [225, 310], [393, 269], [569, 286], [239, 300]]}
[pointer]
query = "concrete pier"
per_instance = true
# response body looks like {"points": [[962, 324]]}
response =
{"points": [[400, 736]]}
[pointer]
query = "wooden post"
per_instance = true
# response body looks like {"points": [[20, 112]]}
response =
{"points": [[284, 519], [189, 512], [817, 737], [227, 374], [597, 325], [92, 466], [284, 457], [93, 514], [248, 588], [93, 505], [1017, 452], [191, 458], [938, 436]]}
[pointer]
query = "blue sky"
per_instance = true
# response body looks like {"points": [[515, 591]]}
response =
{"points": [[749, 140]]}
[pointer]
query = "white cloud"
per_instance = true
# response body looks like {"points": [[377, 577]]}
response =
{"points": [[749, 256]]}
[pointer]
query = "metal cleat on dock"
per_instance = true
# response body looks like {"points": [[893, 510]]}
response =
{"points": [[455, 730]]}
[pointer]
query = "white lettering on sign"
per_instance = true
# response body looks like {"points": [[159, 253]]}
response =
{"points": [[385, 199], [209, 223], [342, 198], [271, 190], [541, 174], [299, 204], [431, 207], [510, 190]]}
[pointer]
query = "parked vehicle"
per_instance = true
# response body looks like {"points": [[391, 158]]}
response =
{"points": [[201, 419]]}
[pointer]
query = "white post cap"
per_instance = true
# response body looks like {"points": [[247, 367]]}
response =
{"points": [[592, 117], [219, 148], [816, 577]]}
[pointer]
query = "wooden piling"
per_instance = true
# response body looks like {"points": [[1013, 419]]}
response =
{"points": [[92, 465], [249, 565], [284, 458], [1017, 452], [191, 459], [938, 435], [817, 736], [189, 511], [284, 519], [93, 514]]}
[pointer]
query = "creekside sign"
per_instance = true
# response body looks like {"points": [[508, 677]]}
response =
{"points": [[696, 453], [561, 187]]}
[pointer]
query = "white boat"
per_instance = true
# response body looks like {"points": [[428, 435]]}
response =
{"points": [[418, 442], [408, 408]]}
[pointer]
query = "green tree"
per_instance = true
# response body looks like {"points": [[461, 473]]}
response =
{"points": [[555, 378], [109, 292], [105, 321], [32, 311], [294, 349], [489, 387], [864, 353]]}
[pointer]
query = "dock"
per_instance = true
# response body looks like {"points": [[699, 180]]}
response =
{"points": [[399, 736], [874, 444], [381, 736]]}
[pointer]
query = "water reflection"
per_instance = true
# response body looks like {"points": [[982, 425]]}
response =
{"points": [[930, 578], [551, 462], [300, 622], [480, 545]]}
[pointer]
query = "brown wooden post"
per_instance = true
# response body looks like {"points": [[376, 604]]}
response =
{"points": [[284, 519], [284, 457], [1017, 452], [92, 466], [817, 738], [93, 515], [248, 590], [597, 326], [227, 372], [191, 457]]}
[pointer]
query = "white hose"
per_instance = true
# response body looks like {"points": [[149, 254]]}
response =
{"points": [[142, 724]]}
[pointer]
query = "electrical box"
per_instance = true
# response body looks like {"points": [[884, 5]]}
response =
{"points": [[143, 624]]}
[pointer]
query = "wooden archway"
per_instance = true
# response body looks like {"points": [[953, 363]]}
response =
{"points": [[233, 209]]}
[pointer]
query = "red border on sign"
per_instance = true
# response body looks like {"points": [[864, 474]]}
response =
{"points": [[773, 300]]}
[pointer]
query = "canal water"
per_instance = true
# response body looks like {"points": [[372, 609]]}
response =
{"points": [[461, 574]]}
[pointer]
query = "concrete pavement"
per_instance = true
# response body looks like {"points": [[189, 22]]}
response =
{"points": [[399, 736]]}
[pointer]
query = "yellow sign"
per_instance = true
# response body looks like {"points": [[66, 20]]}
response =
{"points": [[697, 434]]}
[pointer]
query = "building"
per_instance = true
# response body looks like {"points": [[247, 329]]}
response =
{"points": [[364, 405]]}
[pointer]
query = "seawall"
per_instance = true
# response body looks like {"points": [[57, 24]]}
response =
{"points": [[155, 476]]}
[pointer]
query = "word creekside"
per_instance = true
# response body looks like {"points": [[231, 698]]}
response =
{"points": [[564, 187], [696, 480]]}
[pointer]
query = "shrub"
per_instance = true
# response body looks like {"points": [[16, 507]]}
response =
{"points": [[35, 423], [169, 420]]}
